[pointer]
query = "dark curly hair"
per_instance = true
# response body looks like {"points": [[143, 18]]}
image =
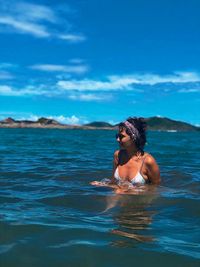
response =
{"points": [[140, 124]]}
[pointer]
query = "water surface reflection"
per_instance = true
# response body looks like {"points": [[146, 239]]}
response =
{"points": [[133, 214]]}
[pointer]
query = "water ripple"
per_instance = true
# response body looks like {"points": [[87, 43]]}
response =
{"points": [[50, 211]]}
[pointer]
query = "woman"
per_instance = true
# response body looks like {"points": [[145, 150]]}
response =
{"points": [[132, 166]]}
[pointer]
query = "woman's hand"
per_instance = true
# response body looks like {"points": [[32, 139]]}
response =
{"points": [[97, 183], [106, 183]]}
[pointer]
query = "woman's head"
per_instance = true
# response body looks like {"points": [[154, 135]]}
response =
{"points": [[135, 129]]}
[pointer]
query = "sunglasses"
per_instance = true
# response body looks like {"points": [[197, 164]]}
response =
{"points": [[120, 136]]}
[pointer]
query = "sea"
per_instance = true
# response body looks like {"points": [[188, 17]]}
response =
{"points": [[51, 216]]}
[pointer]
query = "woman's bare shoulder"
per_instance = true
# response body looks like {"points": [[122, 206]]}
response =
{"points": [[153, 171], [149, 159]]}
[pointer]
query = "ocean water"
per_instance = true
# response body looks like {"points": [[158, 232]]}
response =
{"points": [[51, 216]]}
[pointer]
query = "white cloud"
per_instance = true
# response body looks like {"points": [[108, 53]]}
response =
{"points": [[195, 90], [74, 38], [72, 120], [5, 69], [66, 120], [61, 118], [32, 118], [61, 68], [89, 97], [113, 122], [98, 90], [41, 90], [29, 117], [159, 116], [35, 12], [28, 91], [6, 65], [152, 79], [76, 61], [5, 90], [25, 27], [37, 20], [89, 85], [126, 82]]}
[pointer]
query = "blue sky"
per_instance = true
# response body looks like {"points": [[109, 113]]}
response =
{"points": [[100, 60]]}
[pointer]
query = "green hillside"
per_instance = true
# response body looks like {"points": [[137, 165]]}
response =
{"points": [[98, 124], [164, 124]]}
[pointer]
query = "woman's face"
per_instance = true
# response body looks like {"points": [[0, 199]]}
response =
{"points": [[123, 138]]}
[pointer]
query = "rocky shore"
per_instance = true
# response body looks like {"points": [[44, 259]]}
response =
{"points": [[49, 124]]}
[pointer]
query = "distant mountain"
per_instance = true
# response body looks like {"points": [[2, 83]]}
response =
{"points": [[47, 121], [40, 123], [153, 123], [8, 120], [99, 124], [166, 124]]}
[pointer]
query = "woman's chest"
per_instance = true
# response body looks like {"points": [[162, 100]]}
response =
{"points": [[128, 170]]}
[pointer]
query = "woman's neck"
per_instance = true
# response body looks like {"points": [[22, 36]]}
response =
{"points": [[132, 151]]}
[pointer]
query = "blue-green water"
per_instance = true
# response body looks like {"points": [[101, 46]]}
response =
{"points": [[51, 216]]}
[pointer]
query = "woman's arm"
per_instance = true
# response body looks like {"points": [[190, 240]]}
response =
{"points": [[153, 171], [111, 183]]}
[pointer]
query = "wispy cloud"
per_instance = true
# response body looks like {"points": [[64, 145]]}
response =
{"points": [[5, 69], [90, 97], [4, 75], [91, 85], [194, 90], [99, 90], [28, 91], [34, 12], [6, 65], [25, 27], [5, 90], [67, 120], [73, 38], [61, 68], [37, 20], [76, 61], [127, 82]]}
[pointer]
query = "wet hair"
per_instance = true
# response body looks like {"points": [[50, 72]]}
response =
{"points": [[140, 124]]}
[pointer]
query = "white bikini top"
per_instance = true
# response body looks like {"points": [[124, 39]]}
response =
{"points": [[138, 179]]}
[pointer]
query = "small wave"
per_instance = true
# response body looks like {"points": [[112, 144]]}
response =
{"points": [[80, 242], [6, 248], [178, 246]]}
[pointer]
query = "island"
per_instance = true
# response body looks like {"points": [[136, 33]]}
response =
{"points": [[153, 124]]}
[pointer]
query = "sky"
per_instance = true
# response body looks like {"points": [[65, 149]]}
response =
{"points": [[79, 61]]}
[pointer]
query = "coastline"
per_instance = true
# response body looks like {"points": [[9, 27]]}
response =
{"points": [[153, 124], [61, 126]]}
